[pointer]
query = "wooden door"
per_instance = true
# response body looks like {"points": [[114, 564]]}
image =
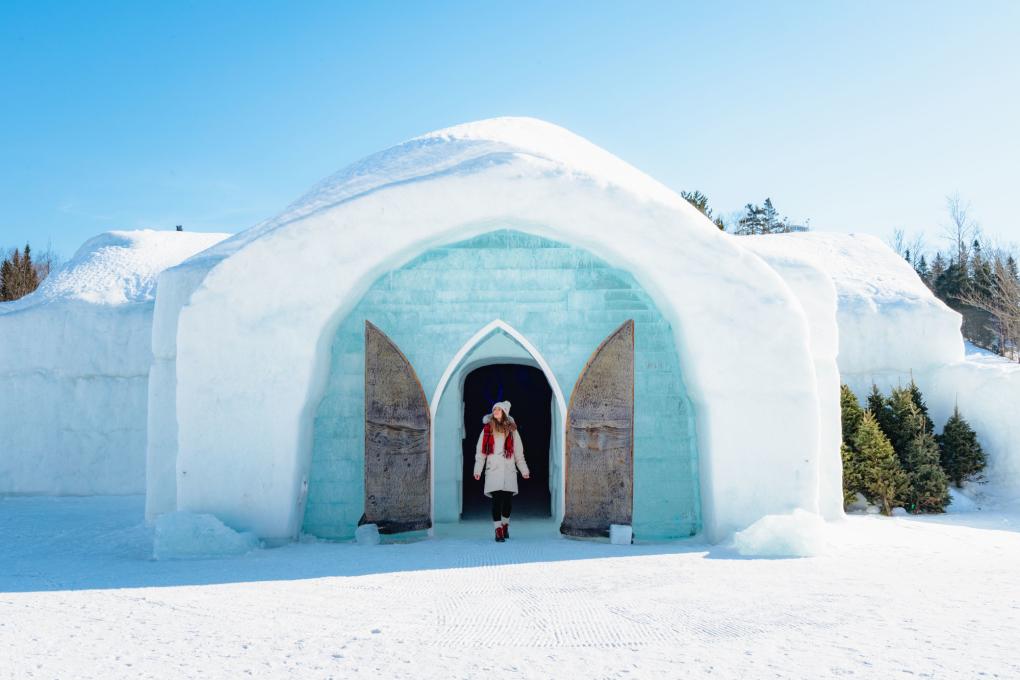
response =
{"points": [[397, 427], [599, 460]]}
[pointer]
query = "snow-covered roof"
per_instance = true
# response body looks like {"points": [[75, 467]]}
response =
{"points": [[117, 267], [862, 266], [465, 149], [883, 307]]}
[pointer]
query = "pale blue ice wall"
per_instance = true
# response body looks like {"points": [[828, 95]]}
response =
{"points": [[565, 301]]}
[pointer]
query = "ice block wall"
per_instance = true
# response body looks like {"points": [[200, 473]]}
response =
{"points": [[565, 301]]}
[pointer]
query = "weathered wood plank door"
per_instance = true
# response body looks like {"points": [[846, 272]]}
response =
{"points": [[397, 426], [599, 460]]}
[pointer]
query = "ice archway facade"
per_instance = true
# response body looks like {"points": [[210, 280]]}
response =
{"points": [[522, 298], [243, 333]]}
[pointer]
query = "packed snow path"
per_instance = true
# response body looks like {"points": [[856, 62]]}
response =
{"points": [[893, 597]]}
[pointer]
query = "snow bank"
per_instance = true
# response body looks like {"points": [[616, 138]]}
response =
{"points": [[250, 356], [74, 362], [796, 534], [184, 535], [987, 391]]}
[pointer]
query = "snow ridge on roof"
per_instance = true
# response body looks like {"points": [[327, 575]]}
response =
{"points": [[861, 265], [466, 149]]}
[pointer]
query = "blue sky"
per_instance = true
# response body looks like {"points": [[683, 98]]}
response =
{"points": [[861, 116]]}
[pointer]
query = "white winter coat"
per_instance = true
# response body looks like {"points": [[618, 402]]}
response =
{"points": [[500, 472]]}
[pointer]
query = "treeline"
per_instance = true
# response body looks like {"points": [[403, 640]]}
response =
{"points": [[756, 219], [982, 283], [20, 273], [892, 456]]}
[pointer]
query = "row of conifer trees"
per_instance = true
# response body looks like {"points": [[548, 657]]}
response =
{"points": [[893, 457]]}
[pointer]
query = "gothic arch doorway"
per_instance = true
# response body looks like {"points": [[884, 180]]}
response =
{"points": [[531, 406]]}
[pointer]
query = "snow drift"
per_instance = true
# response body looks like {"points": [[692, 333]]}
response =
{"points": [[795, 534], [74, 359], [185, 535]]}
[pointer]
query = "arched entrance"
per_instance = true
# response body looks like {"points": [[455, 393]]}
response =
{"points": [[497, 359], [531, 406], [532, 302]]}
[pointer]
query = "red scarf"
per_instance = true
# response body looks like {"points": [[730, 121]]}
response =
{"points": [[489, 440]]}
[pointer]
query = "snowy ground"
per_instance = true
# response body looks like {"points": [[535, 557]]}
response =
{"points": [[936, 596]]}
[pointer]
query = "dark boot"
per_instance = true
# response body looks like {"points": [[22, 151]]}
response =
{"points": [[506, 531], [499, 535]]}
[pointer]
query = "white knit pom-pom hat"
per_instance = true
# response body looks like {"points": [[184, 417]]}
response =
{"points": [[505, 405]]}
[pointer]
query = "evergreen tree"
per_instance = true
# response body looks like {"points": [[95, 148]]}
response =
{"points": [[981, 270], [700, 201], [762, 220], [953, 283], [928, 483], [879, 407], [918, 399], [904, 423], [980, 322], [29, 277], [6, 277], [752, 222], [882, 478], [851, 413], [11, 272], [938, 268], [771, 218], [853, 481], [923, 271], [18, 276], [961, 456]]}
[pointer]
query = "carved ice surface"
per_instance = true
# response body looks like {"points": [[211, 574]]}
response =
{"points": [[435, 303]]}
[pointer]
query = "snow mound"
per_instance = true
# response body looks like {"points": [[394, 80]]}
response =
{"points": [[960, 501], [117, 267], [186, 535], [367, 534], [797, 534]]}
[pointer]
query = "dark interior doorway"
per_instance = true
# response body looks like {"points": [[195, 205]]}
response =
{"points": [[530, 397]]}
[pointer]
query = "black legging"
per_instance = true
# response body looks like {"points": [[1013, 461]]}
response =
{"points": [[501, 504]]}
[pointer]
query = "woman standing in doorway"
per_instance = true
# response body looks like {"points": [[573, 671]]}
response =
{"points": [[500, 451]]}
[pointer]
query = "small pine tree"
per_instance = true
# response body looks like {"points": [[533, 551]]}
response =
{"points": [[883, 479], [6, 276], [961, 455], [929, 490], [938, 268], [850, 412], [878, 404], [923, 271], [918, 399], [904, 423], [699, 201], [852, 474]]}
